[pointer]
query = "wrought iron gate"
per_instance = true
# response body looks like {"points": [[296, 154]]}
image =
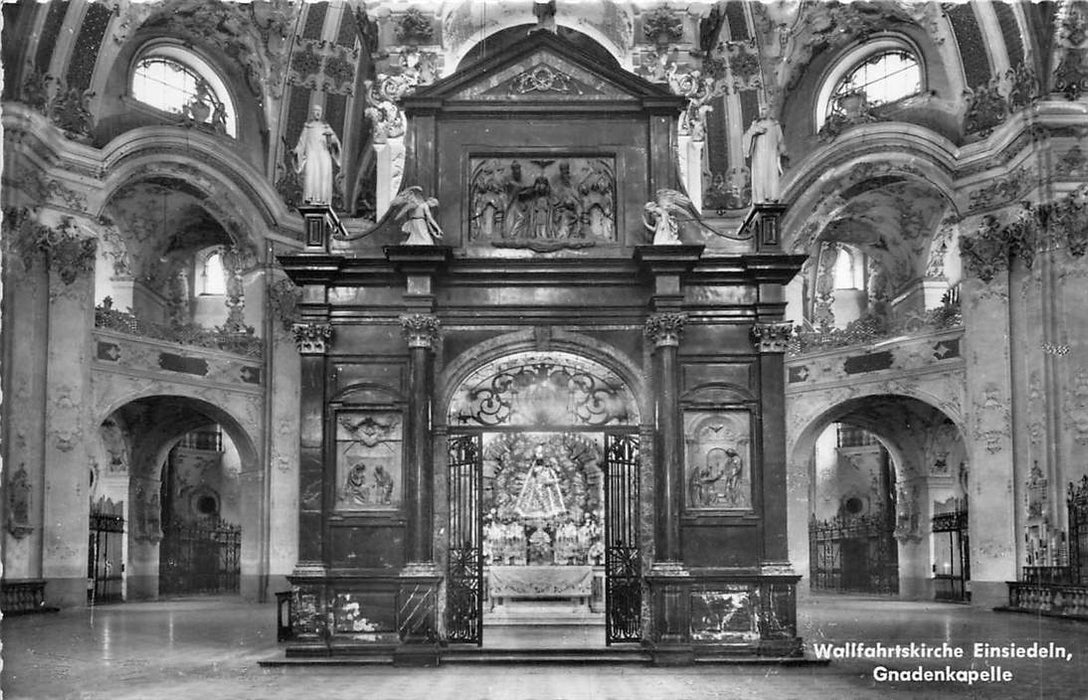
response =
{"points": [[465, 584], [952, 584], [104, 552], [200, 557], [1077, 502], [623, 562], [854, 553]]}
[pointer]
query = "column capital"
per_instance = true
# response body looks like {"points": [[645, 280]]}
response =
{"points": [[311, 338], [665, 328], [772, 337], [420, 330]]}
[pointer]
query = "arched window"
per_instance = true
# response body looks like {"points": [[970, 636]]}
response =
{"points": [[178, 81], [213, 277], [849, 269], [874, 74]]}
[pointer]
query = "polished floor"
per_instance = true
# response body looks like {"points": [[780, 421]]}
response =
{"points": [[210, 649]]}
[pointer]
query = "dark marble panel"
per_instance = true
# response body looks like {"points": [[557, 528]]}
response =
{"points": [[380, 547], [454, 343], [740, 373], [376, 296], [700, 339], [417, 611], [370, 339], [721, 545], [727, 613], [387, 375], [360, 614], [308, 613], [309, 536], [561, 293]]}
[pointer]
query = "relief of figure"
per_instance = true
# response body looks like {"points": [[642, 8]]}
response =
{"points": [[488, 206], [661, 215], [317, 151], [383, 486], [764, 145], [419, 223], [734, 474], [703, 484], [596, 190], [356, 491], [540, 208], [568, 206], [516, 214]]}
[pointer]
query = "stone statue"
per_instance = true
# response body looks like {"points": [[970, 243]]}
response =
{"points": [[764, 145], [317, 151], [419, 223], [660, 216]]}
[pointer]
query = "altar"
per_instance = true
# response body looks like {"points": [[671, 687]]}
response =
{"points": [[580, 587]]}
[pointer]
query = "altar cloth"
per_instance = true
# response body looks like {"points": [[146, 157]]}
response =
{"points": [[540, 581]]}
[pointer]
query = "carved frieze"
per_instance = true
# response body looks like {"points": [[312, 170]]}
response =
{"points": [[311, 338], [986, 252], [542, 203]]}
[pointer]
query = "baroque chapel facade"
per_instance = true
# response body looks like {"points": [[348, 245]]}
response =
{"points": [[666, 316]]}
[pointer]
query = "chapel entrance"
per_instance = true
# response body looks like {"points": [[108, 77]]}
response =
{"points": [[544, 537]]}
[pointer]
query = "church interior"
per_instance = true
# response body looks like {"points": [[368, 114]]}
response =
{"points": [[411, 333]]}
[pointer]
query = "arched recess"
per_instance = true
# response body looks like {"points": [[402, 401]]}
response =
{"points": [[467, 23], [246, 203], [927, 450], [151, 425], [888, 206]]}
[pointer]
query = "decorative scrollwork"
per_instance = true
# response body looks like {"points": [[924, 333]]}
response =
{"points": [[543, 389]]}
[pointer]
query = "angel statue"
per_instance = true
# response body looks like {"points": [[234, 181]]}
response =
{"points": [[420, 225], [660, 216]]}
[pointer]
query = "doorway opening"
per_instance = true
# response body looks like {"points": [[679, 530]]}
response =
{"points": [[544, 517]]}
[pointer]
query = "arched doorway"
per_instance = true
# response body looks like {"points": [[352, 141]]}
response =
{"points": [[150, 465], [879, 500], [544, 498]]}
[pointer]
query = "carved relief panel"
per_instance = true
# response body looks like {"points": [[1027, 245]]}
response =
{"points": [[718, 473], [542, 202], [368, 460]]}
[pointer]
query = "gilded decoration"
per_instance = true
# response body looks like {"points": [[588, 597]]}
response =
{"points": [[666, 328], [368, 460], [311, 338], [718, 475], [538, 389], [772, 337], [542, 203]]}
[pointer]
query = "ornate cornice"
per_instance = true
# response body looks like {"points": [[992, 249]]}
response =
{"points": [[420, 330], [666, 328], [772, 337], [312, 338]]}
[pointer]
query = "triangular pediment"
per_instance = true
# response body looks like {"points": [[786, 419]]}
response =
{"points": [[544, 68]]}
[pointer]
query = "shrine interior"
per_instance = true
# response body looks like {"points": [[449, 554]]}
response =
{"points": [[436, 329]]}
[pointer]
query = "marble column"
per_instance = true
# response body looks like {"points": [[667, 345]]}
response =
{"points": [[771, 340], [311, 339], [664, 331], [421, 331], [417, 595]]}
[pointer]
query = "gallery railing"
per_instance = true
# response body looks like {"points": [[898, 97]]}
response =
{"points": [[240, 341], [875, 327], [1060, 591]]}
